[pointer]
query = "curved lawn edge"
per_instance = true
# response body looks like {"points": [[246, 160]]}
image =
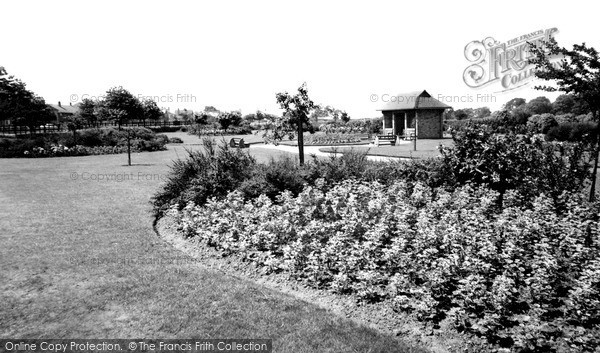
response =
{"points": [[378, 316]]}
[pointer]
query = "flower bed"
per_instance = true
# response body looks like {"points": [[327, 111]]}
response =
{"points": [[331, 139], [524, 278], [86, 142]]}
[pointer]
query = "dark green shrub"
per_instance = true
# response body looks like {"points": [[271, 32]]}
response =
{"points": [[204, 174], [141, 133], [272, 178], [166, 128], [163, 138], [429, 172], [541, 123], [573, 132], [511, 162], [335, 168], [566, 118], [90, 138], [13, 147]]}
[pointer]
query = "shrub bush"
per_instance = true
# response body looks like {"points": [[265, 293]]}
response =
{"points": [[501, 122], [91, 138], [167, 128], [541, 123], [510, 162], [275, 177], [573, 132], [566, 118], [192, 178], [211, 172], [163, 138]]}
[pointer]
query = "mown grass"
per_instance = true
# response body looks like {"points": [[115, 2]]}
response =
{"points": [[80, 259]]}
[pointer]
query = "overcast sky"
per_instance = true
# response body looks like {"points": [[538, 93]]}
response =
{"points": [[239, 54]]}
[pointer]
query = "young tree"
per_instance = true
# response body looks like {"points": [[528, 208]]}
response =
{"points": [[578, 73], [297, 109]]}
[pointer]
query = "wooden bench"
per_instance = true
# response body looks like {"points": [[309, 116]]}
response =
{"points": [[380, 138], [237, 143]]}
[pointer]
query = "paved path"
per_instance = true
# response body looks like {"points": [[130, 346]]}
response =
{"points": [[310, 150]]}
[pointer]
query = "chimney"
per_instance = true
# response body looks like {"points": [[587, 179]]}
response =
{"points": [[59, 104]]}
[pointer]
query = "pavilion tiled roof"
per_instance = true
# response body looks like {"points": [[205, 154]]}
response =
{"points": [[413, 100]]}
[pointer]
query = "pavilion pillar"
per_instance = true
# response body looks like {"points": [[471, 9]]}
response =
{"points": [[393, 123], [416, 123]]}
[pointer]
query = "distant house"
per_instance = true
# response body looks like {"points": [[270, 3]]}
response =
{"points": [[414, 110], [63, 111]]}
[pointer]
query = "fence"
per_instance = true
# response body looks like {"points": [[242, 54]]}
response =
{"points": [[14, 130]]}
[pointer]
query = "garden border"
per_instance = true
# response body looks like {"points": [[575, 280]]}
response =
{"points": [[376, 316]]}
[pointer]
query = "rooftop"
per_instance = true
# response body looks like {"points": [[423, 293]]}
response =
{"points": [[413, 100], [68, 109]]}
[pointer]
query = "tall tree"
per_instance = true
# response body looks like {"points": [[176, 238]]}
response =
{"points": [[577, 72], [569, 104], [151, 110], [563, 104], [514, 104], [297, 109], [75, 122], [118, 98], [479, 113], [539, 105], [21, 106], [462, 114], [87, 109]]}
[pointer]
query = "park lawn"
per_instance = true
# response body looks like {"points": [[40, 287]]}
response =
{"points": [[80, 259], [425, 149]]}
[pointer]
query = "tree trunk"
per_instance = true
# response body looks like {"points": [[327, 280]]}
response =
{"points": [[596, 153], [128, 147], [300, 142]]}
